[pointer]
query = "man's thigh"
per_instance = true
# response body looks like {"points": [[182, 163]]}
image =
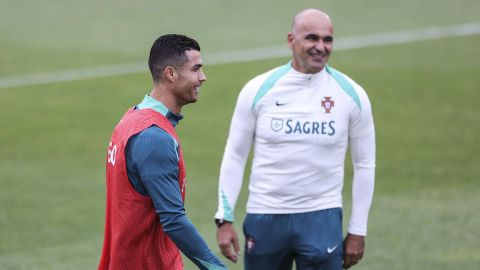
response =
{"points": [[319, 241], [268, 242]]}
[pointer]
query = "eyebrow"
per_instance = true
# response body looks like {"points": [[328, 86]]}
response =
{"points": [[310, 35], [197, 66]]}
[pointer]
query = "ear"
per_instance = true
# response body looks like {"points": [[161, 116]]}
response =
{"points": [[290, 39], [170, 73]]}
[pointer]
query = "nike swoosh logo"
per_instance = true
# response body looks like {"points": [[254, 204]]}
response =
{"points": [[280, 104], [330, 250]]}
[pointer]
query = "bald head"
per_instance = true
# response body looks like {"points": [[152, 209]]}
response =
{"points": [[311, 16], [311, 40]]}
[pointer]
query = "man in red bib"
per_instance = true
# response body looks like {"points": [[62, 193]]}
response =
{"points": [[146, 224]]}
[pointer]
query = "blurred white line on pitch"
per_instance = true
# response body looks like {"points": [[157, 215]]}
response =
{"points": [[345, 43]]}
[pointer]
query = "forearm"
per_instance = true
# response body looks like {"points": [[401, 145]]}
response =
{"points": [[232, 172], [363, 156], [362, 194], [186, 237]]}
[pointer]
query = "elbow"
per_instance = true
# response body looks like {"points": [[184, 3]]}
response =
{"points": [[364, 166], [172, 222]]}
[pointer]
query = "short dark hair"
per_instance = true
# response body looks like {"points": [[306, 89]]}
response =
{"points": [[169, 50]]}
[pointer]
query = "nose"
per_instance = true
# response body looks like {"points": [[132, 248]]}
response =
{"points": [[320, 45], [202, 76]]}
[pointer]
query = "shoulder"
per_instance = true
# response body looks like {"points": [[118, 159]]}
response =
{"points": [[154, 132], [351, 88], [271, 75], [257, 87], [154, 140]]}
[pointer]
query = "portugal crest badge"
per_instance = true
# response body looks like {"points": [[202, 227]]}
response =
{"points": [[276, 124], [250, 244], [328, 104]]}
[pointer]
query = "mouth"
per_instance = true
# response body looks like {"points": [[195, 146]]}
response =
{"points": [[317, 55], [196, 89]]}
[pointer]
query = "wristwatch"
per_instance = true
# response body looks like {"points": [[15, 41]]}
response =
{"points": [[220, 222]]}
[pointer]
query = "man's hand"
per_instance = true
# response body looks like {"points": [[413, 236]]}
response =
{"points": [[353, 248], [226, 236]]}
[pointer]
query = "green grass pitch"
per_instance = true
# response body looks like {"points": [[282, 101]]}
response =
{"points": [[53, 137]]}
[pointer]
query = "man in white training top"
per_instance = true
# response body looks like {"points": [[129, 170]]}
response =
{"points": [[300, 118]]}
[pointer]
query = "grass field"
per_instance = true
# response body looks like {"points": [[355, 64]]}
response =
{"points": [[54, 136]]}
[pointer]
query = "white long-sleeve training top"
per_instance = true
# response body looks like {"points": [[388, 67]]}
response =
{"points": [[300, 126]]}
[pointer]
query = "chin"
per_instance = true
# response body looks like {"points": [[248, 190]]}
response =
{"points": [[313, 70], [318, 68]]}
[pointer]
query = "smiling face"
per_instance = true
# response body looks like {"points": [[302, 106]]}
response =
{"points": [[311, 41], [190, 78]]}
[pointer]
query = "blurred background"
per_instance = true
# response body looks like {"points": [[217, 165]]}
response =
{"points": [[70, 69]]}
